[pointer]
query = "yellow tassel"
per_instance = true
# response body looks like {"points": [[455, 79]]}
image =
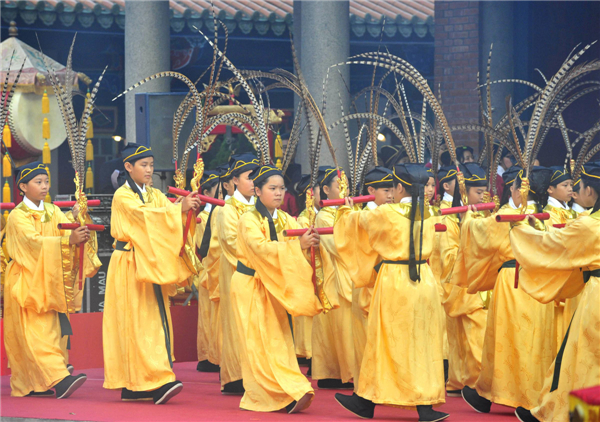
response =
{"points": [[6, 136], [4, 248], [6, 192], [89, 178], [45, 103], [48, 199], [46, 153], [5, 217], [278, 151], [46, 128], [90, 129], [89, 151], [6, 168], [49, 178]]}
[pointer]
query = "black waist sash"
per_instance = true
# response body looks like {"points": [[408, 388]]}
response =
{"points": [[120, 246], [65, 328], [509, 264], [558, 362], [241, 268], [402, 262]]}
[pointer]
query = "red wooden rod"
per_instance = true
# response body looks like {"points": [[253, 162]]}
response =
{"points": [[559, 226], [520, 217], [7, 205], [440, 227], [172, 199], [337, 202], [69, 204], [203, 198], [198, 220], [73, 226], [300, 232], [464, 208]]}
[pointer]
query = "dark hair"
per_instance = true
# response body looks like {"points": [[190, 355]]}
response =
{"points": [[328, 184], [595, 184], [505, 195], [539, 182]]}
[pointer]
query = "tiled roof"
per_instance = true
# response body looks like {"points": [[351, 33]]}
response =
{"points": [[404, 17]]}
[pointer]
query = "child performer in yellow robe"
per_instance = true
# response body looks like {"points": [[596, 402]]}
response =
{"points": [[566, 252], [560, 192], [379, 182], [333, 345], [272, 277], [303, 324], [466, 316], [577, 206], [403, 362], [226, 226], [206, 307], [35, 300], [519, 339], [136, 329]]}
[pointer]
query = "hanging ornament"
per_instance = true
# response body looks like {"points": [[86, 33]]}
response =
{"points": [[89, 178], [6, 167], [89, 151], [48, 198], [46, 128], [45, 103], [49, 178], [6, 192], [46, 154], [7, 136]]}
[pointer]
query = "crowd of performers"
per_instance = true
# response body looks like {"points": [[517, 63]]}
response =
{"points": [[400, 302]]}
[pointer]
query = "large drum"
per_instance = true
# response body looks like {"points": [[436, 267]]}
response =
{"points": [[25, 121]]}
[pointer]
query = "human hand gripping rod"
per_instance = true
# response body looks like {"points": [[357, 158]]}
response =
{"points": [[519, 217], [73, 226], [203, 198]]}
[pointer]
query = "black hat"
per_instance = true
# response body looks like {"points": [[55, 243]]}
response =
{"points": [[559, 175], [447, 174], [409, 174], [591, 172], [209, 179], [474, 174], [303, 185], [28, 171], [134, 152], [224, 172], [241, 163], [510, 175], [391, 154], [379, 177], [539, 179], [264, 172], [445, 158], [326, 175]]}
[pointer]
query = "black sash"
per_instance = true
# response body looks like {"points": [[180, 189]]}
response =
{"points": [[404, 262], [589, 274], [509, 264], [241, 268], [120, 246], [65, 328], [263, 212]]}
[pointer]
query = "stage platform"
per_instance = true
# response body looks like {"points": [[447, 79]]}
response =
{"points": [[201, 400]]}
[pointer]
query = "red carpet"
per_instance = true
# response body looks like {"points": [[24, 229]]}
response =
{"points": [[201, 400]]}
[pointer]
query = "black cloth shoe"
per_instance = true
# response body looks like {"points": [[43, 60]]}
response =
{"points": [[309, 372], [47, 393], [427, 414], [356, 404], [334, 384], [68, 385], [446, 369], [303, 362], [300, 405], [234, 388], [525, 415], [167, 392], [128, 395], [473, 399], [70, 368], [454, 393], [206, 366]]}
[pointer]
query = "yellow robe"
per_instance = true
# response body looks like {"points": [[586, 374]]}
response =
{"points": [[519, 339], [204, 302], [303, 324], [435, 263], [37, 280], [134, 335], [466, 317], [332, 342], [211, 264], [282, 282], [563, 310], [403, 362], [556, 257], [226, 224]]}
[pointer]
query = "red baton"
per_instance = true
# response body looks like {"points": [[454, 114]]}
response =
{"points": [[506, 218], [7, 205], [440, 227], [300, 232], [465, 208], [69, 204], [341, 201], [203, 198]]}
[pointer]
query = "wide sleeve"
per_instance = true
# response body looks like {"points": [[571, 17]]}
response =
{"points": [[449, 243], [353, 246], [227, 231], [155, 232], [281, 267], [45, 263], [213, 259], [481, 240], [551, 262]]}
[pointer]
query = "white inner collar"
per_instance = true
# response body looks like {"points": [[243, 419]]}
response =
{"points": [[578, 208], [141, 188], [371, 205], [31, 205], [207, 207], [556, 203], [237, 195], [406, 200], [449, 198], [512, 203]]}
